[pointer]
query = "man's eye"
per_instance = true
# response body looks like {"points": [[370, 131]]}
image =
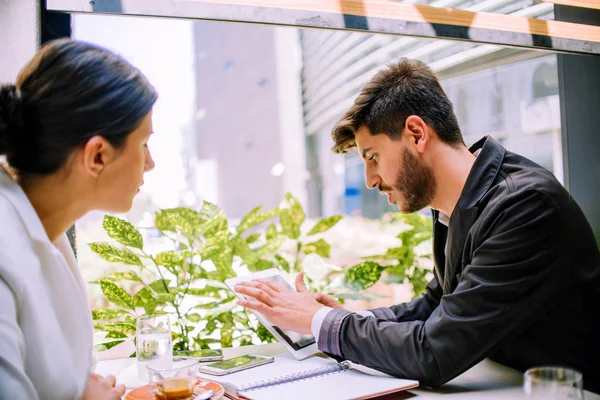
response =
{"points": [[372, 158]]}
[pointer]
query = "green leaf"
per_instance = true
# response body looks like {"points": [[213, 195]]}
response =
{"points": [[111, 339], [216, 221], [113, 254], [178, 219], [291, 217], [264, 335], [241, 248], [120, 327], [252, 238], [363, 275], [261, 265], [271, 246], [321, 247], [227, 335], [159, 285], [249, 219], [123, 276], [104, 314], [271, 232], [122, 231], [325, 224], [214, 245], [256, 217], [283, 262], [172, 258], [195, 317], [223, 308], [211, 325], [116, 295], [145, 298]]}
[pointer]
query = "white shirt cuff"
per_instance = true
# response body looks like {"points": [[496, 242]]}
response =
{"points": [[317, 321]]}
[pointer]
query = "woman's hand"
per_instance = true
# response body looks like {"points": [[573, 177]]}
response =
{"points": [[99, 388]]}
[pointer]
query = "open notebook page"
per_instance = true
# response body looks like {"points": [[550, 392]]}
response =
{"points": [[284, 364], [346, 385], [342, 385]]}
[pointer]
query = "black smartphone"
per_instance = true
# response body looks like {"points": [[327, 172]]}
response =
{"points": [[200, 355]]}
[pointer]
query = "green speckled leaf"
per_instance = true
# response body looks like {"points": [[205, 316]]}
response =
{"points": [[145, 299], [241, 249], [261, 265], [252, 238], [122, 231], [264, 335], [195, 317], [363, 275], [255, 217], [116, 295], [159, 285], [105, 314], [120, 327], [172, 258], [321, 247], [179, 219], [111, 339], [113, 254], [271, 232], [216, 221], [325, 224], [123, 276], [227, 335], [292, 216], [283, 262], [271, 246]]}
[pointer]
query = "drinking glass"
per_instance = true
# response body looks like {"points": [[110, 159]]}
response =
{"points": [[174, 383], [553, 383], [153, 343]]}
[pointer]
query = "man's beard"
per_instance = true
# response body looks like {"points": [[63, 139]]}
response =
{"points": [[415, 183]]}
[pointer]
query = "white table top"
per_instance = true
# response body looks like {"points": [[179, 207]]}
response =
{"points": [[486, 380]]}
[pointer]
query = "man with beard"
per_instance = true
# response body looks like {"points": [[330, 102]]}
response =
{"points": [[517, 267]]}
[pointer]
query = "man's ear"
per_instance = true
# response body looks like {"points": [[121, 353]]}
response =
{"points": [[418, 132], [96, 153]]}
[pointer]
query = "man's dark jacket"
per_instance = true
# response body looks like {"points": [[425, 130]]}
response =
{"points": [[517, 280]]}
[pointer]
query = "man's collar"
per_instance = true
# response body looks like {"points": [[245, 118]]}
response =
{"points": [[11, 191], [483, 173]]}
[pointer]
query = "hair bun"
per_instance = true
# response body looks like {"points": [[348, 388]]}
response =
{"points": [[11, 117]]}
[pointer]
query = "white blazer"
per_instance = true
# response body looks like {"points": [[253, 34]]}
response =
{"points": [[46, 335]]}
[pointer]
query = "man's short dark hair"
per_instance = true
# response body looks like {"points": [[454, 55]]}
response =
{"points": [[404, 88]]}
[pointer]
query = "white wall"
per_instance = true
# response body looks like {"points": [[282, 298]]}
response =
{"points": [[19, 36]]}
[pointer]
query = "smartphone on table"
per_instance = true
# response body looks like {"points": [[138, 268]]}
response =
{"points": [[203, 355], [235, 364]]}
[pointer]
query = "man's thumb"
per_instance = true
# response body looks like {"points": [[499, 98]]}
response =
{"points": [[300, 285]]}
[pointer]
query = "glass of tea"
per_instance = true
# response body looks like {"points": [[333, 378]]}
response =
{"points": [[175, 382], [553, 383]]}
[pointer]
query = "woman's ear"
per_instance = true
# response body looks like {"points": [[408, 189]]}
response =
{"points": [[418, 132], [96, 153]]}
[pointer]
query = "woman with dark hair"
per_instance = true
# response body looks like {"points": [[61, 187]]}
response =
{"points": [[74, 129]]}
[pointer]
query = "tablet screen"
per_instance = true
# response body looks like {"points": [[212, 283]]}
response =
{"points": [[296, 340]]}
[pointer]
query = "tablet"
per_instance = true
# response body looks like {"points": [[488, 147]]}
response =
{"points": [[299, 345]]}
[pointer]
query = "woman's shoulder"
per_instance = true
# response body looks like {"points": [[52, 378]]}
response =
{"points": [[18, 249]]}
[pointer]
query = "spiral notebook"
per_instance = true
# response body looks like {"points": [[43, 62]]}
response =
{"points": [[313, 378]]}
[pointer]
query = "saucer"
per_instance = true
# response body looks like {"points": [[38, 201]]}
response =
{"points": [[146, 392]]}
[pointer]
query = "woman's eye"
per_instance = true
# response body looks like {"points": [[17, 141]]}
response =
{"points": [[373, 158]]}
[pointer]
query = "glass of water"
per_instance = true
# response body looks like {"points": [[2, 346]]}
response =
{"points": [[553, 383], [153, 343]]}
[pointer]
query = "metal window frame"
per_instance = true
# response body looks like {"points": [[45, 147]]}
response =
{"points": [[371, 16]]}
